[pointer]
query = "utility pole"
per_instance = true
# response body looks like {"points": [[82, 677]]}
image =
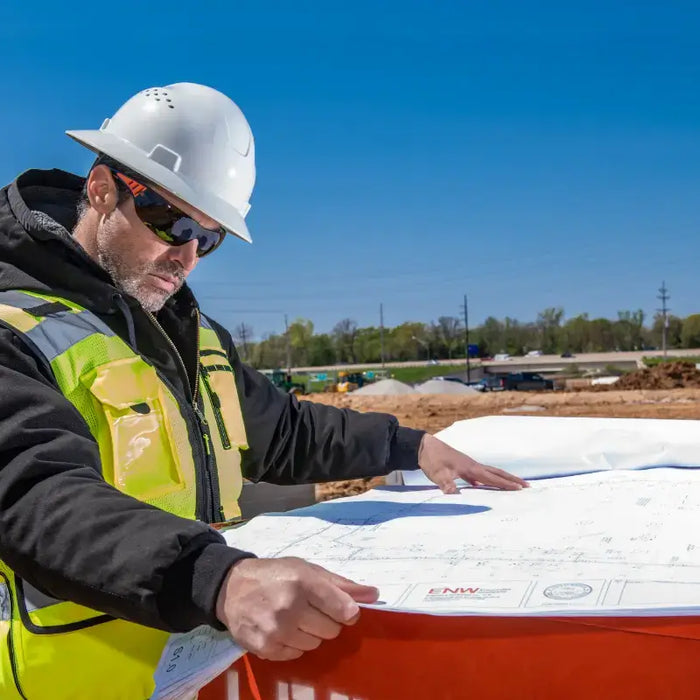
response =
{"points": [[244, 340], [381, 330], [664, 297], [289, 347], [466, 338]]}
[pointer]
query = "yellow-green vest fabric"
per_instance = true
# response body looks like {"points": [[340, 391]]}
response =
{"points": [[59, 650]]}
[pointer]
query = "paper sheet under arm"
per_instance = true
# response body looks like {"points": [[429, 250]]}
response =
{"points": [[609, 543], [191, 660]]}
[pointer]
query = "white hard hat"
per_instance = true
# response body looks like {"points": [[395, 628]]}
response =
{"points": [[191, 140]]}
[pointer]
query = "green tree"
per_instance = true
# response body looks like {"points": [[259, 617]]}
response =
{"points": [[368, 345], [601, 336], [300, 333], [513, 336], [271, 352], [575, 334], [628, 330], [491, 336], [690, 336], [402, 344], [321, 350], [451, 331], [674, 330], [549, 322], [344, 334]]}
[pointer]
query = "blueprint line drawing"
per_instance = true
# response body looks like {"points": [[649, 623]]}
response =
{"points": [[605, 543]]}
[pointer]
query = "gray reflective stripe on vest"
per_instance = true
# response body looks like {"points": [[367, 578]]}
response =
{"points": [[205, 322], [20, 300], [34, 599], [5, 606], [59, 331]]}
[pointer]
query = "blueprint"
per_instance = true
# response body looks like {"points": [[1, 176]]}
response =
{"points": [[606, 543]]}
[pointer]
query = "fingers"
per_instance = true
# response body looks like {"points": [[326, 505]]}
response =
{"points": [[301, 640], [448, 487], [357, 591], [313, 627], [316, 623], [500, 479], [328, 598], [444, 478], [281, 608], [508, 476], [477, 474], [278, 652]]}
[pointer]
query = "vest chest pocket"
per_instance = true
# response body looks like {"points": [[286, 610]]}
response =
{"points": [[134, 429]]}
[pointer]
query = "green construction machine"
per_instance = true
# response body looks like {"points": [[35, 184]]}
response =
{"points": [[284, 381]]}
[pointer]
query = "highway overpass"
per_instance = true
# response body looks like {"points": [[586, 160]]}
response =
{"points": [[542, 363]]}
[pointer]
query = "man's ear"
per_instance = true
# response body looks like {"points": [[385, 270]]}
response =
{"points": [[102, 190]]}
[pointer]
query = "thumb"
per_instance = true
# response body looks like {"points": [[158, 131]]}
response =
{"points": [[448, 487]]}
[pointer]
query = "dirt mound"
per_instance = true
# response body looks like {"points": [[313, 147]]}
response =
{"points": [[667, 375]]}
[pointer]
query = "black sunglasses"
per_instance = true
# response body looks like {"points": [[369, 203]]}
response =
{"points": [[164, 219]]}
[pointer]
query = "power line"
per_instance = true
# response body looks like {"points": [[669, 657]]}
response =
{"points": [[466, 338], [243, 332], [381, 330], [289, 349], [664, 314]]}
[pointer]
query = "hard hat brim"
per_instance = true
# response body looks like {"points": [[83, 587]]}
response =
{"points": [[123, 152]]}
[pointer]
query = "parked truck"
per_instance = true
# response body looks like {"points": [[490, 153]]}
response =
{"points": [[515, 381]]}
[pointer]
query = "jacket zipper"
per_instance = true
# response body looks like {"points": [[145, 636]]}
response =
{"points": [[216, 406], [217, 512], [209, 505]]}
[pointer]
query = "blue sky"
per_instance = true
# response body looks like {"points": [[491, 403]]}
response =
{"points": [[528, 154]]}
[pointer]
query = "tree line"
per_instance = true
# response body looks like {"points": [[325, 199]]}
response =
{"points": [[550, 333]]}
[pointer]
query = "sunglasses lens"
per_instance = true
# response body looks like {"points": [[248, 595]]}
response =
{"points": [[171, 226], [184, 230]]}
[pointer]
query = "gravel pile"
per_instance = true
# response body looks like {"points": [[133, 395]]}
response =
{"points": [[385, 387], [441, 386]]}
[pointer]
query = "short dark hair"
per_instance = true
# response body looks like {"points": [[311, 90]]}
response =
{"points": [[123, 192]]}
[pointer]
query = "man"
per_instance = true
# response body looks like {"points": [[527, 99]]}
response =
{"points": [[127, 419]]}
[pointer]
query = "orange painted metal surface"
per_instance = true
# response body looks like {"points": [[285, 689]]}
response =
{"points": [[395, 655]]}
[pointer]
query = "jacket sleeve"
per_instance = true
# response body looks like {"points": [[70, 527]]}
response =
{"points": [[294, 442], [67, 532]]}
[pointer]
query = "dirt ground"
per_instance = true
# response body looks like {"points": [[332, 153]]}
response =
{"points": [[433, 412]]}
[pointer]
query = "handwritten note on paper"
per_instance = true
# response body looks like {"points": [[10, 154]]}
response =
{"points": [[191, 660]]}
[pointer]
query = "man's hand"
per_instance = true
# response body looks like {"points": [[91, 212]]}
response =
{"points": [[443, 464], [280, 608]]}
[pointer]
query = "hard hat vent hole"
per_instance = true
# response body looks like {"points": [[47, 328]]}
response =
{"points": [[159, 95]]}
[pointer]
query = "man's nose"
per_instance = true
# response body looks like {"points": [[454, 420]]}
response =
{"points": [[186, 255]]}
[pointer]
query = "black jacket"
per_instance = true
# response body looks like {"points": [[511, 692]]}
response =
{"points": [[66, 531]]}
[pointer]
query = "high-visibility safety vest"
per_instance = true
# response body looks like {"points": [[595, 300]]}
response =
{"points": [[181, 458]]}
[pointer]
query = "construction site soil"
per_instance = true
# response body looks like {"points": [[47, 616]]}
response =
{"points": [[434, 412], [672, 375]]}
